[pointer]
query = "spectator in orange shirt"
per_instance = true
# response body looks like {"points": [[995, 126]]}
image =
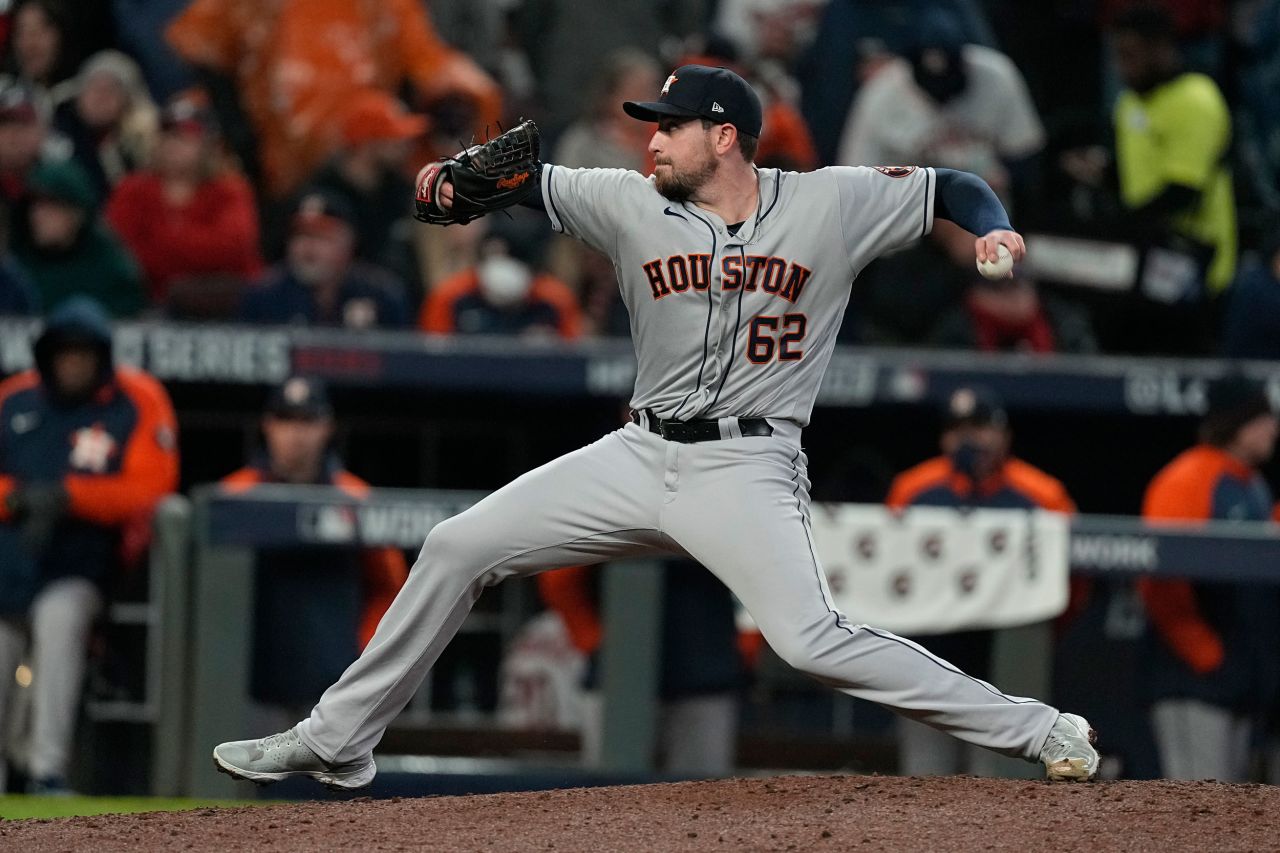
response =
{"points": [[502, 295], [314, 610], [87, 450], [1212, 667], [294, 64], [975, 470], [190, 218]]}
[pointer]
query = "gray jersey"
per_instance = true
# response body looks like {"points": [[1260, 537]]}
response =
{"points": [[739, 325]]}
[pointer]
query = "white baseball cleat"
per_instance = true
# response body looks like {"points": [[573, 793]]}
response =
{"points": [[1068, 754], [280, 756]]}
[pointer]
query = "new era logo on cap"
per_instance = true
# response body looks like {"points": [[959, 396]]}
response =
{"points": [[716, 94]]}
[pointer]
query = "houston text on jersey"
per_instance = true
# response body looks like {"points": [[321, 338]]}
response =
{"points": [[682, 273]]}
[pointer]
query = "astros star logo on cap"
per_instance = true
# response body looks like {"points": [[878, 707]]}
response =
{"points": [[667, 85]]}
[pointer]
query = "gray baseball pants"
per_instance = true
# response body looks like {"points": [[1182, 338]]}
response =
{"points": [[58, 627], [739, 506]]}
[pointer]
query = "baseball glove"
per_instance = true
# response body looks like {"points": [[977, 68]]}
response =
{"points": [[497, 174]]}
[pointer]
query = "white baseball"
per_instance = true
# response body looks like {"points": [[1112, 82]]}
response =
{"points": [[999, 268]]}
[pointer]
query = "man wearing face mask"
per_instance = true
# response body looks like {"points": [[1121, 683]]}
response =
{"points": [[502, 295], [947, 102], [975, 471]]}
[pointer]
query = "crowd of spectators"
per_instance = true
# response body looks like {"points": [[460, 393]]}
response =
{"points": [[172, 147]]}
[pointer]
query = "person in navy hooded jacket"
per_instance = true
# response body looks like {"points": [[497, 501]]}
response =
{"points": [[87, 450]]}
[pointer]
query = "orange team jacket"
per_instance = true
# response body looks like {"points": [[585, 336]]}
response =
{"points": [[1203, 482], [297, 62], [148, 458], [384, 569], [1017, 485], [550, 303], [116, 455]]}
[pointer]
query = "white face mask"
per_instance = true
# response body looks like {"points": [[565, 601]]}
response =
{"points": [[504, 282]]}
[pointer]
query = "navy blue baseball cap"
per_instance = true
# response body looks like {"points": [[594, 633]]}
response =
{"points": [[300, 398], [699, 91], [973, 405]]}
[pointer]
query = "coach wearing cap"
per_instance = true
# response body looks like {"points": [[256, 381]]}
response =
{"points": [[320, 282], [975, 470], [314, 609]]}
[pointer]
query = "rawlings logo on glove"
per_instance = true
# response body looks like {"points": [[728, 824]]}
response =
{"points": [[485, 177]]}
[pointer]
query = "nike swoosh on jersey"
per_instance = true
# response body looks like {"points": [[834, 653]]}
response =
{"points": [[669, 212]]}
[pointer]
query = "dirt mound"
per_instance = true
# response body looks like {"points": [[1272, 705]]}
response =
{"points": [[787, 813]]}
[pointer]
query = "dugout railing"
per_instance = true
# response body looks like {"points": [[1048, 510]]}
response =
{"points": [[202, 564]]}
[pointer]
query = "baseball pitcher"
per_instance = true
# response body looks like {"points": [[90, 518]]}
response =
{"points": [[736, 279]]}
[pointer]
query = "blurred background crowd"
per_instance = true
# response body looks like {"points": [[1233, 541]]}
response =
{"points": [[250, 161], [228, 161]]}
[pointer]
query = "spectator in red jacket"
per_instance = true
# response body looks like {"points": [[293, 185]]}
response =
{"points": [[189, 216]]}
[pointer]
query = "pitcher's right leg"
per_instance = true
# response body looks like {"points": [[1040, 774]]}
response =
{"points": [[598, 503]]}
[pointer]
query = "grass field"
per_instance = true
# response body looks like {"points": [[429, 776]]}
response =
{"points": [[22, 807]]}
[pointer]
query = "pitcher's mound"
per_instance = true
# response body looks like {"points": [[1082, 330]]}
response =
{"points": [[785, 813]]}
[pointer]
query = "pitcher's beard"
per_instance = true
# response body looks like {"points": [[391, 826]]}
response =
{"points": [[681, 186]]}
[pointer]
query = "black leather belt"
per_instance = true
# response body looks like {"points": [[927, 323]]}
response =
{"points": [[690, 432]]}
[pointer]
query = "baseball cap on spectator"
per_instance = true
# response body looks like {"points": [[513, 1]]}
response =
{"points": [[19, 104], [974, 406], [188, 114], [303, 398], [936, 61], [374, 116], [65, 182], [699, 91], [1233, 400], [322, 213]]}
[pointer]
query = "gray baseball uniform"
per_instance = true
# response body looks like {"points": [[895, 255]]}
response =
{"points": [[726, 326]]}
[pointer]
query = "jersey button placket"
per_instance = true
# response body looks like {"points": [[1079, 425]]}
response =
{"points": [[724, 331]]}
